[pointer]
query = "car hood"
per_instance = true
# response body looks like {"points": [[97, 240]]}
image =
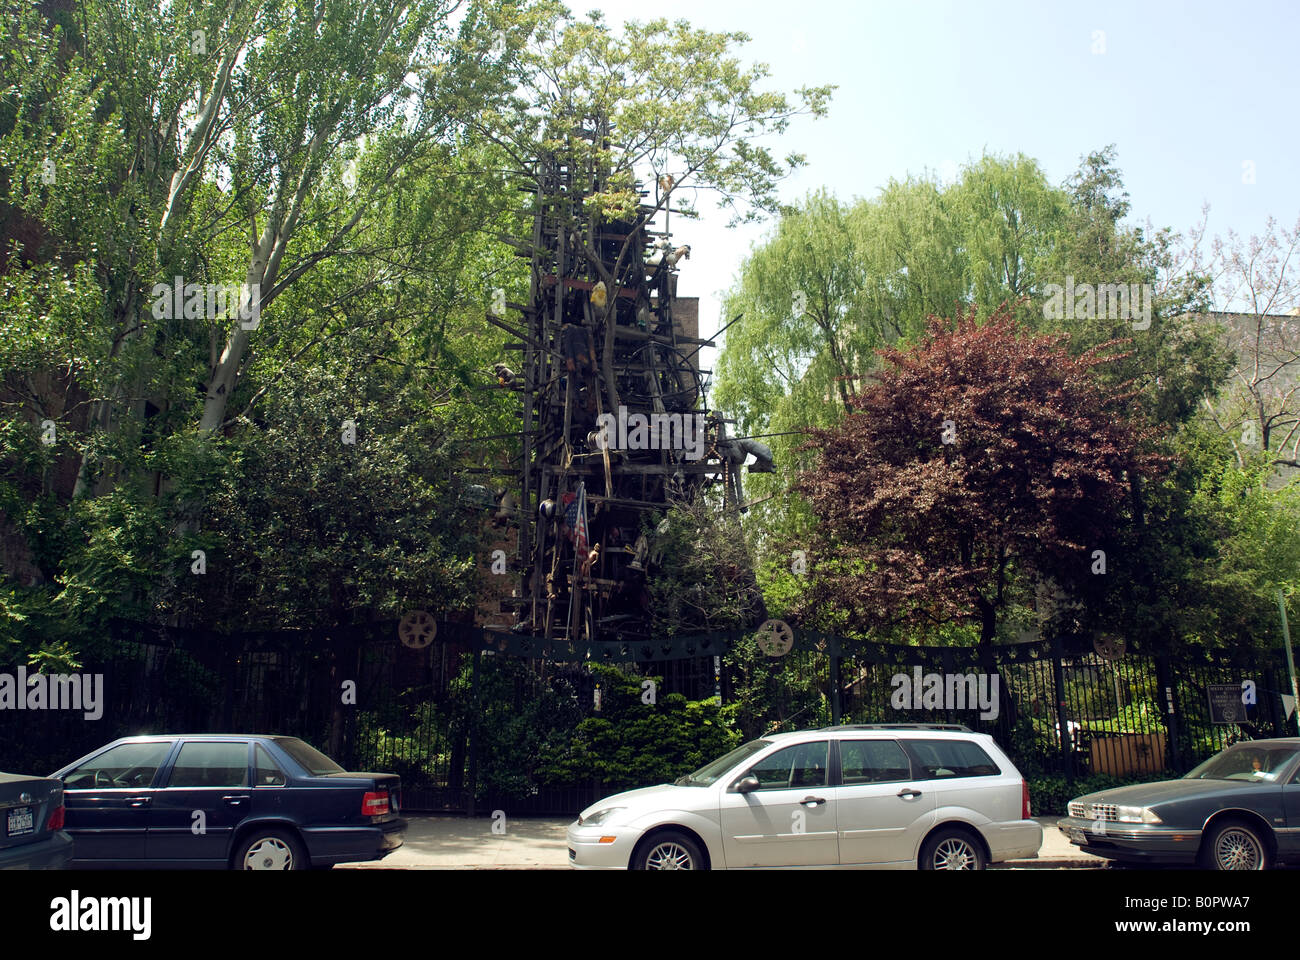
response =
{"points": [[659, 797], [1147, 794]]}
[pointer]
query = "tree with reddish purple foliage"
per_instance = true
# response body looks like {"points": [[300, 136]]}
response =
{"points": [[978, 455]]}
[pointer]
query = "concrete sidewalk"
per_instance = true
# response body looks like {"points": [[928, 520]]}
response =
{"points": [[1055, 853], [463, 843]]}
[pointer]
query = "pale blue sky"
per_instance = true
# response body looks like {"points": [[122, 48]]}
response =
{"points": [[1187, 92]]}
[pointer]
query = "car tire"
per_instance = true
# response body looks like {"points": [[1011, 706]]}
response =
{"points": [[952, 849], [270, 849], [1234, 845], [671, 850]]}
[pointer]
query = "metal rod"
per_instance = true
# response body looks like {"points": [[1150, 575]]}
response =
{"points": [[715, 336]]}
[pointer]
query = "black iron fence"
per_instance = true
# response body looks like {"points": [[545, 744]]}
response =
{"points": [[1058, 708]]}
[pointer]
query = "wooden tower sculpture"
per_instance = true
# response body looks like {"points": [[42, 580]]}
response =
{"points": [[615, 427]]}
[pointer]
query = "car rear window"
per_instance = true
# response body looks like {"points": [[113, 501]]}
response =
{"points": [[268, 774], [944, 759], [308, 757]]}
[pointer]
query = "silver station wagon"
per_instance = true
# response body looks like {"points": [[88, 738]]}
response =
{"points": [[891, 796]]}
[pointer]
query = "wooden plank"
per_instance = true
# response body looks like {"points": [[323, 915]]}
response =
{"points": [[630, 504], [668, 469], [575, 284]]}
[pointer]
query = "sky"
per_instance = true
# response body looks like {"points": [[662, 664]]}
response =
{"points": [[1200, 100]]}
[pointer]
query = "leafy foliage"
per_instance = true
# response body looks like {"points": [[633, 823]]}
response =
{"points": [[704, 577], [635, 744], [977, 453]]}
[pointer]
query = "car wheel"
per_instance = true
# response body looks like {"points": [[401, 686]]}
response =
{"points": [[271, 850], [1235, 846], [669, 851], [952, 850]]}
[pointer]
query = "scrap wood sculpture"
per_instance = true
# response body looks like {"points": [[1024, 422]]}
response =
{"points": [[599, 337]]}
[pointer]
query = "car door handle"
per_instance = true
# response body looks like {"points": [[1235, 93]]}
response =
{"points": [[235, 799], [811, 801], [138, 801], [908, 793]]}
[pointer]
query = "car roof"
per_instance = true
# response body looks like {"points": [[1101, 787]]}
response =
{"points": [[898, 729], [151, 737], [848, 728]]}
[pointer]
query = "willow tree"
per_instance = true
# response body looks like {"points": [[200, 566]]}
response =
{"points": [[833, 283]]}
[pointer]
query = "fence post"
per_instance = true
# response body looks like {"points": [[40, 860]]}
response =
{"points": [[228, 701], [1169, 692], [1062, 716], [473, 731], [835, 690]]}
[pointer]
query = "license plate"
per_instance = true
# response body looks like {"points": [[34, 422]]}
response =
{"points": [[19, 822], [1076, 836]]}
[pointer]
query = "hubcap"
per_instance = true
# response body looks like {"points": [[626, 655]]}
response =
{"points": [[269, 853], [954, 854], [669, 856], [1238, 850]]}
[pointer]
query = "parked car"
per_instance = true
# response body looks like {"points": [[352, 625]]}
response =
{"points": [[226, 800], [933, 796], [32, 811], [1239, 810]]}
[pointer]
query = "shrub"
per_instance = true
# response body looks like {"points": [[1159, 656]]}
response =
{"points": [[631, 743], [1048, 795]]}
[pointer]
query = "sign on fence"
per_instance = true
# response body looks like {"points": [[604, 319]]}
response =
{"points": [[1228, 702]]}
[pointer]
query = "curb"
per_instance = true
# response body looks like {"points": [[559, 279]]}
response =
{"points": [[1064, 863]]}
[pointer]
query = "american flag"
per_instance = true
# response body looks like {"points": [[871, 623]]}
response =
{"points": [[580, 542]]}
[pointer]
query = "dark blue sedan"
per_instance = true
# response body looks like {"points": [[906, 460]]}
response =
{"points": [[226, 800]]}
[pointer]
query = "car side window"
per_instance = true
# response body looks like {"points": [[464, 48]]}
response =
{"points": [[945, 759], [803, 765], [211, 765], [125, 766], [268, 774], [873, 761]]}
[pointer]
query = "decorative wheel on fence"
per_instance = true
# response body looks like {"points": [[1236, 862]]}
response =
{"points": [[775, 638], [417, 630], [1108, 648]]}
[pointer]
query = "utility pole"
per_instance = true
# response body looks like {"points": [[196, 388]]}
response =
{"points": [[1290, 658]]}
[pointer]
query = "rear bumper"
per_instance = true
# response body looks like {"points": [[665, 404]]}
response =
{"points": [[1013, 840], [53, 853], [1149, 842], [330, 845]]}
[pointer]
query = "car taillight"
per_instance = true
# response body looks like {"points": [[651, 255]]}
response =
{"points": [[1024, 796], [56, 818], [374, 804]]}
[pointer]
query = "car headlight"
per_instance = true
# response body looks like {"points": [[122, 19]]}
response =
{"points": [[599, 817], [1136, 815]]}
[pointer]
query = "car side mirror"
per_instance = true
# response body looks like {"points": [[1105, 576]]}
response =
{"points": [[746, 784]]}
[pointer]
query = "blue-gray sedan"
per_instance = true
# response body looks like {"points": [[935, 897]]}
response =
{"points": [[1239, 810]]}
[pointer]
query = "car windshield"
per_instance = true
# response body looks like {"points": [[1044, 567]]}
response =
{"points": [[308, 757], [710, 772], [1254, 764]]}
